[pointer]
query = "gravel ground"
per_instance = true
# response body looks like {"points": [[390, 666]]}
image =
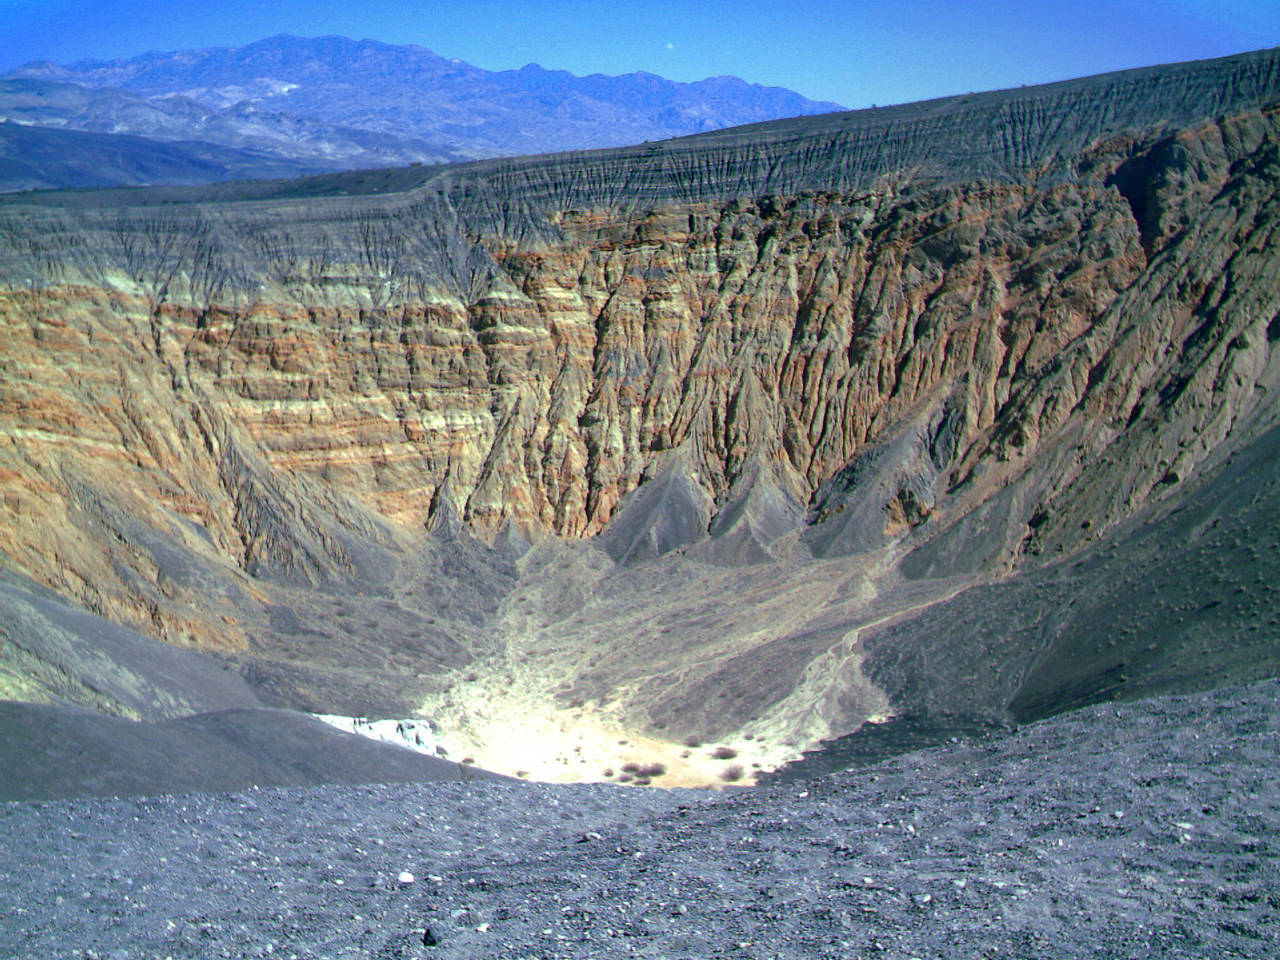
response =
{"points": [[1148, 829]]}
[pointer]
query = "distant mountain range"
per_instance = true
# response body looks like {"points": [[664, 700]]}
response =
{"points": [[289, 105]]}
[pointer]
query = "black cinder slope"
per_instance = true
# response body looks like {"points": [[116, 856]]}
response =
{"points": [[1145, 831], [52, 751]]}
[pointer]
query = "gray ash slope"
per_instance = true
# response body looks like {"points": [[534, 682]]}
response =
{"points": [[163, 719], [1179, 597], [1147, 830]]}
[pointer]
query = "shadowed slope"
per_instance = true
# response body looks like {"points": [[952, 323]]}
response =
{"points": [[57, 751]]}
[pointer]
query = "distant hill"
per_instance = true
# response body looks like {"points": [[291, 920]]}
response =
{"points": [[33, 158], [333, 103]]}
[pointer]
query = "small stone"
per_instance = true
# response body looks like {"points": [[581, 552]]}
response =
{"points": [[405, 877]]}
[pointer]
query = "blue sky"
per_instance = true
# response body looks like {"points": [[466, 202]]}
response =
{"points": [[855, 53]]}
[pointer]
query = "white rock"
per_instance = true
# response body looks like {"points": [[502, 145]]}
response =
{"points": [[405, 877]]}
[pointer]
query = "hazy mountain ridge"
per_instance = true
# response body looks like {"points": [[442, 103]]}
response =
{"points": [[337, 103], [355, 430]]}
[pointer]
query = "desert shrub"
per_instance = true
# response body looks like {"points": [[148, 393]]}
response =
{"points": [[631, 767], [692, 742], [650, 770], [731, 774], [724, 753]]}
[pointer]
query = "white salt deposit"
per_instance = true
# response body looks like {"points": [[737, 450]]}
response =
{"points": [[417, 735]]}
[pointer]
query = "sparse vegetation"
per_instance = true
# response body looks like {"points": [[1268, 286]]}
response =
{"points": [[731, 774], [645, 771], [724, 753]]}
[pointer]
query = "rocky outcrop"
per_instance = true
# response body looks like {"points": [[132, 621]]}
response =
{"points": [[968, 337]]}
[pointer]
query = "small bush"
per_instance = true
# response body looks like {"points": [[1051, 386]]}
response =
{"points": [[650, 770], [731, 774], [724, 753], [692, 742]]}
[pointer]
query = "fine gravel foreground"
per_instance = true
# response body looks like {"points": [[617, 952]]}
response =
{"points": [[1135, 830]]}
